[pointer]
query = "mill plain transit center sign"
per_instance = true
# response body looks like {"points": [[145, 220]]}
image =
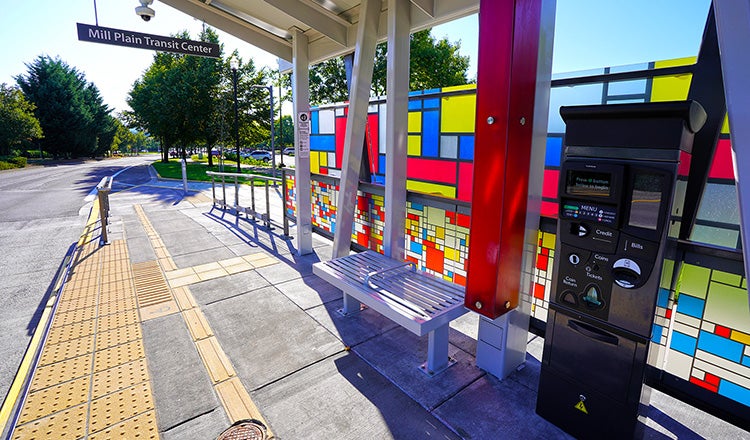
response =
{"points": [[119, 37]]}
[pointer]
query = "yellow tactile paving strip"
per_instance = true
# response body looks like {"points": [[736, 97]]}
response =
{"points": [[91, 380], [232, 393]]}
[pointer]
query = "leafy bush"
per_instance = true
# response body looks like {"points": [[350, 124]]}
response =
{"points": [[18, 161]]}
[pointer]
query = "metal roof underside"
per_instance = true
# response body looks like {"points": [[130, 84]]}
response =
{"points": [[330, 25]]}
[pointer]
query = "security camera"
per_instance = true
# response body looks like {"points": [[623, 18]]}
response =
{"points": [[144, 11]]}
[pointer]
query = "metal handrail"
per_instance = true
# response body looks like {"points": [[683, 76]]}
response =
{"points": [[250, 211], [102, 191]]}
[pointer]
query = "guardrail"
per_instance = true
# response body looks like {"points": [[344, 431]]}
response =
{"points": [[102, 190], [250, 211]]}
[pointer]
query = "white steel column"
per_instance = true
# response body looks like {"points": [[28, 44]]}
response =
{"points": [[359, 99], [301, 102], [733, 30], [396, 131]]}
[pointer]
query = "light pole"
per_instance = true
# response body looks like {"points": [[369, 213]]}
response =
{"points": [[234, 64], [273, 151]]}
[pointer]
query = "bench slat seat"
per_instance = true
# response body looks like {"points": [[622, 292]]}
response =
{"points": [[419, 302]]}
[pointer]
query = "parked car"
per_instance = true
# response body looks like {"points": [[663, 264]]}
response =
{"points": [[289, 151], [263, 155]]}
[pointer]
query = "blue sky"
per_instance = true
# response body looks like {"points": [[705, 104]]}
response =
{"points": [[588, 34]]}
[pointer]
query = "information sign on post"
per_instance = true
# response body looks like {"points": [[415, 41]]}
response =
{"points": [[303, 131]]}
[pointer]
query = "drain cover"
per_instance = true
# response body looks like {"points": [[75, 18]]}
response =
{"points": [[244, 430]]}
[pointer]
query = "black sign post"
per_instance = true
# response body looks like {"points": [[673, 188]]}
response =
{"points": [[119, 37]]}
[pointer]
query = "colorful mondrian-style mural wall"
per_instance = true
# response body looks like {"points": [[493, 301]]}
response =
{"points": [[702, 325]]}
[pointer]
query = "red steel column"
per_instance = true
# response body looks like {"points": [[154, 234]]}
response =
{"points": [[506, 75]]}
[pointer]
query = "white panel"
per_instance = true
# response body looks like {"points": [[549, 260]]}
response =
{"points": [[340, 111], [382, 141], [326, 121]]}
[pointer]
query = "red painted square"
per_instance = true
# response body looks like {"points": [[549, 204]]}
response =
{"points": [[340, 137], [435, 259], [411, 259], [464, 220], [549, 209], [668, 315], [712, 379], [465, 174], [683, 169], [431, 170], [721, 167], [538, 291], [550, 183], [362, 239], [703, 384], [545, 251], [371, 138], [459, 279], [541, 261], [722, 331]]}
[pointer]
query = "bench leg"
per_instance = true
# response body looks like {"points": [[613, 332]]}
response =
{"points": [[437, 351], [351, 305]]}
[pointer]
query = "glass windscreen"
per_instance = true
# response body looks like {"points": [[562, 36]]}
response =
{"points": [[645, 200]]}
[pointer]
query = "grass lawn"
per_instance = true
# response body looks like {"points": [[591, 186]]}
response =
{"points": [[197, 170]]}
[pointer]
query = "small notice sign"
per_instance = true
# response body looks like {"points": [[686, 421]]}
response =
{"points": [[303, 131], [119, 37], [581, 407]]}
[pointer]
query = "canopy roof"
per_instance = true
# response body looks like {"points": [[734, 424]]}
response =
{"points": [[330, 25]]}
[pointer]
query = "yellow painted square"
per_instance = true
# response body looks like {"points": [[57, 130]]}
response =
{"points": [[548, 240], [440, 233], [458, 88], [324, 160], [458, 113], [415, 122], [451, 254], [414, 145], [673, 87], [315, 162]]}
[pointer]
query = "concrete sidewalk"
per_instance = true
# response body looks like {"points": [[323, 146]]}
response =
{"points": [[233, 325]]}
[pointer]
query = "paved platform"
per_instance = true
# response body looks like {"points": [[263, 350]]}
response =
{"points": [[190, 320]]}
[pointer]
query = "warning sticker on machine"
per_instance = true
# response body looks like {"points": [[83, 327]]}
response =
{"points": [[581, 407]]}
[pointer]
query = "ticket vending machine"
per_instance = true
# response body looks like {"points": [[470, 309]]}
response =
{"points": [[619, 198]]}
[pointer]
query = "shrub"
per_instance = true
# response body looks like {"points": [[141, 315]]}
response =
{"points": [[18, 161]]}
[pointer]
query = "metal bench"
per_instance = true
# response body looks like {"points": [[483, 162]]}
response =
{"points": [[419, 302]]}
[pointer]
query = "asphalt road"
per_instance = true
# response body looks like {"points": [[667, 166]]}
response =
{"points": [[43, 210]]}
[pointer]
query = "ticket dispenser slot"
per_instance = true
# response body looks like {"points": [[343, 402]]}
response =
{"points": [[616, 190]]}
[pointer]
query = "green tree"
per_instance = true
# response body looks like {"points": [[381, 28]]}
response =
{"points": [[433, 64], [176, 97], [17, 120], [70, 109]]}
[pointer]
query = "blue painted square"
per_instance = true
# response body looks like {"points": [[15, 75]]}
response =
{"points": [[431, 103], [430, 133], [429, 91], [314, 128], [554, 151], [417, 206], [381, 162], [416, 92], [734, 392], [656, 333], [379, 178], [466, 147], [683, 343], [690, 305], [662, 298], [415, 247], [415, 104], [720, 346], [746, 361], [323, 142]]}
